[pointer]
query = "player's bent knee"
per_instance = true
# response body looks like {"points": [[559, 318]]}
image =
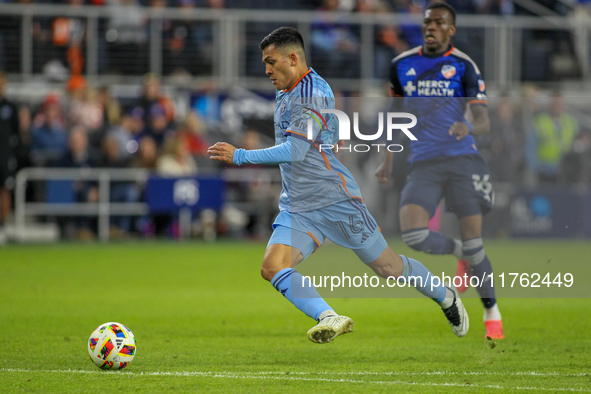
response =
{"points": [[271, 266], [269, 270], [389, 264]]}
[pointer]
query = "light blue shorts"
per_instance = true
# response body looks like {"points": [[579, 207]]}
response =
{"points": [[347, 223]]}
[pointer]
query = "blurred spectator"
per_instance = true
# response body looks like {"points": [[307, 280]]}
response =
{"points": [[498, 7], [84, 108], [388, 46], [79, 156], [120, 192], [550, 140], [9, 141], [158, 126], [152, 94], [180, 47], [503, 147], [192, 129], [335, 46], [48, 134], [176, 160], [411, 30], [67, 36], [24, 147], [110, 106], [146, 155], [123, 134], [127, 37]]}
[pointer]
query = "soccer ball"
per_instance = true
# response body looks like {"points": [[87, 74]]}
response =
{"points": [[111, 346]]}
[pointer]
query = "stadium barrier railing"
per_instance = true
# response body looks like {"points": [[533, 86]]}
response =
{"points": [[59, 202], [504, 47]]}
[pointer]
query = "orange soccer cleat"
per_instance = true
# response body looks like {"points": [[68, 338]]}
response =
{"points": [[494, 329]]}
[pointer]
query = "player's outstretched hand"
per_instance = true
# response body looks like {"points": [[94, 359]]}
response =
{"points": [[222, 151], [459, 129], [383, 172]]}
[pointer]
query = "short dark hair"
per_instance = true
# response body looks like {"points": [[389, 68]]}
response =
{"points": [[444, 6], [284, 36]]}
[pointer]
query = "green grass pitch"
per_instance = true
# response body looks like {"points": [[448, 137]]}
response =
{"points": [[206, 322]]}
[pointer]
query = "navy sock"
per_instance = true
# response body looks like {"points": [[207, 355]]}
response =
{"points": [[473, 250], [432, 242]]}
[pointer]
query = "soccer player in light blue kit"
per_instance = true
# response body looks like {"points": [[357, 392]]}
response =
{"points": [[320, 199]]}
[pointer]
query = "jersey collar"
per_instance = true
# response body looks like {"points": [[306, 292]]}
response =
{"points": [[444, 54], [299, 80]]}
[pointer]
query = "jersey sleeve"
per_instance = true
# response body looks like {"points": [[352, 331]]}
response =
{"points": [[306, 112], [473, 82], [286, 152], [395, 86]]}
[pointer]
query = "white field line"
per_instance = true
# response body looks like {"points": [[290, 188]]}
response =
{"points": [[285, 376]]}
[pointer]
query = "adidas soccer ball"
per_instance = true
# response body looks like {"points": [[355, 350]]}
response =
{"points": [[111, 346]]}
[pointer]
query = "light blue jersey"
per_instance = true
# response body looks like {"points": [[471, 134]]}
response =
{"points": [[312, 179]]}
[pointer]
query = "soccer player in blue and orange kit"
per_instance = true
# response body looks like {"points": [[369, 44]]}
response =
{"points": [[320, 195], [444, 161]]}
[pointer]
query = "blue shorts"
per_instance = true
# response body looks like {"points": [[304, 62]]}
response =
{"points": [[347, 223], [464, 181]]}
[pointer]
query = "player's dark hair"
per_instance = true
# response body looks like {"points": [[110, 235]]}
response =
{"points": [[284, 36], [444, 6]]}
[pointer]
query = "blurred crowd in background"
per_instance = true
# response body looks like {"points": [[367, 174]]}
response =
{"points": [[535, 138], [533, 141], [123, 38]]}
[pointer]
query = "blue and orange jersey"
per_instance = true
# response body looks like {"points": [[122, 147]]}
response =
{"points": [[320, 179], [437, 89]]}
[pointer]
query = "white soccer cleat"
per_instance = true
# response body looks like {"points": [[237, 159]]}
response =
{"points": [[329, 328], [456, 314]]}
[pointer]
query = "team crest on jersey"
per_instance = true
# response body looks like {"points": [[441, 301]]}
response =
{"points": [[283, 106], [448, 71], [481, 85]]}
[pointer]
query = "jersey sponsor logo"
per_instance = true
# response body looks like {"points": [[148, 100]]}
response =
{"points": [[481, 85], [434, 88], [411, 72], [409, 88], [448, 71], [283, 107]]}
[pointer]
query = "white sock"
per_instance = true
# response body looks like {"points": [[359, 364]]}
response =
{"points": [[458, 249], [492, 313], [448, 300], [327, 314]]}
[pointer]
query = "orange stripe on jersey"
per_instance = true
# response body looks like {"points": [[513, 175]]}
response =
{"points": [[295, 132], [421, 51], [324, 157], [296, 84], [478, 102], [345, 187], [315, 240], [449, 52]]}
